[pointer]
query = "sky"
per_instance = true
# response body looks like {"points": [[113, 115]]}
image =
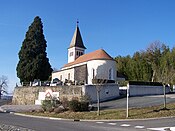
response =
{"points": [[120, 27]]}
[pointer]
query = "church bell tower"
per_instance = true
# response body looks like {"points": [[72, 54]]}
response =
{"points": [[76, 47]]}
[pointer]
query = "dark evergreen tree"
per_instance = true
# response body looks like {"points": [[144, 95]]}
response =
{"points": [[33, 62]]}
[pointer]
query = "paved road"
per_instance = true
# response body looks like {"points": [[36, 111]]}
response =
{"points": [[39, 124], [142, 101]]}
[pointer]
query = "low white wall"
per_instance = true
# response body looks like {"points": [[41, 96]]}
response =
{"points": [[107, 92], [139, 90]]}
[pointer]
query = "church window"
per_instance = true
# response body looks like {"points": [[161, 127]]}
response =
{"points": [[71, 53], [93, 73], [68, 76], [110, 74], [81, 53], [77, 53]]}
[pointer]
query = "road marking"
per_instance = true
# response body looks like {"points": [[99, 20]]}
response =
{"points": [[125, 125], [112, 124], [172, 128], [99, 122], [139, 127], [162, 129]]}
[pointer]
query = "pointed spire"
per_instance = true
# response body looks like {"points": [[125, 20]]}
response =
{"points": [[77, 22], [77, 39]]}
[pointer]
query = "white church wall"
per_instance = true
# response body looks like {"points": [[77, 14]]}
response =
{"points": [[107, 92], [100, 69], [64, 74], [72, 53]]}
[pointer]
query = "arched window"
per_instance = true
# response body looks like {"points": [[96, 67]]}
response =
{"points": [[68, 76], [93, 73]]}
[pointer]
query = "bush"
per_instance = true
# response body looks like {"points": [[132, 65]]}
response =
{"points": [[75, 105], [84, 106], [86, 98], [65, 102], [47, 105]]}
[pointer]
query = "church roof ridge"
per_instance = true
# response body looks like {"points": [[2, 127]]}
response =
{"points": [[99, 54], [77, 39]]}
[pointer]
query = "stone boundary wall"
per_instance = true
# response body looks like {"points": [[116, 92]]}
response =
{"points": [[28, 95]]}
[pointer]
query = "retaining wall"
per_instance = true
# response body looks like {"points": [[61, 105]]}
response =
{"points": [[28, 95]]}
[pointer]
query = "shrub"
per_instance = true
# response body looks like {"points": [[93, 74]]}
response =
{"points": [[75, 105], [65, 102], [84, 106], [86, 98], [47, 105]]}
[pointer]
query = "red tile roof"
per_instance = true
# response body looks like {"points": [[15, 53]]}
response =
{"points": [[96, 55]]}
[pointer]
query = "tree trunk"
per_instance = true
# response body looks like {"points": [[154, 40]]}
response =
{"points": [[98, 102], [164, 92], [153, 76]]}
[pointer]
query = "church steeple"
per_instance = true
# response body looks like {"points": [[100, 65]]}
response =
{"points": [[77, 39], [76, 47]]}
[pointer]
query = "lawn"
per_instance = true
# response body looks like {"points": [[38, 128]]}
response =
{"points": [[134, 113]]}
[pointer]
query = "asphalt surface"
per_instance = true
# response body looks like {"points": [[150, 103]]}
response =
{"points": [[140, 101], [39, 124], [134, 102]]}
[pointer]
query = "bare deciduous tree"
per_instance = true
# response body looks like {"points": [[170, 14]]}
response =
{"points": [[3, 85]]}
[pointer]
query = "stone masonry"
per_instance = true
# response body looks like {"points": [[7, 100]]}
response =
{"points": [[28, 95]]}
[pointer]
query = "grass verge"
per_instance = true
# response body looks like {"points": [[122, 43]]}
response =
{"points": [[134, 113]]}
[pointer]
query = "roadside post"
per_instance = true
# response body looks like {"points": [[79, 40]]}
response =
{"points": [[164, 93], [127, 102]]}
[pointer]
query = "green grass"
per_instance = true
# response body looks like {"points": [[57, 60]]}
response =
{"points": [[134, 113]]}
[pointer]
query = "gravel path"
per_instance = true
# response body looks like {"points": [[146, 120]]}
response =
{"points": [[19, 108], [12, 128]]}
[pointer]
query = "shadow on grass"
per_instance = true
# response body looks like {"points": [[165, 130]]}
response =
{"points": [[162, 109], [150, 112]]}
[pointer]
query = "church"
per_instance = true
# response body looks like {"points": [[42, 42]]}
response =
{"points": [[82, 68]]}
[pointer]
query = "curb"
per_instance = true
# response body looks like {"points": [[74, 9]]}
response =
{"points": [[85, 120], [42, 117]]}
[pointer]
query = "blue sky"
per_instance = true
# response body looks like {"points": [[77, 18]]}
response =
{"points": [[120, 27]]}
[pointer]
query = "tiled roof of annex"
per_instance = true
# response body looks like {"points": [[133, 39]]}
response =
{"points": [[96, 55]]}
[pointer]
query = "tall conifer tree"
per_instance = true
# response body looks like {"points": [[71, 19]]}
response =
{"points": [[33, 62]]}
